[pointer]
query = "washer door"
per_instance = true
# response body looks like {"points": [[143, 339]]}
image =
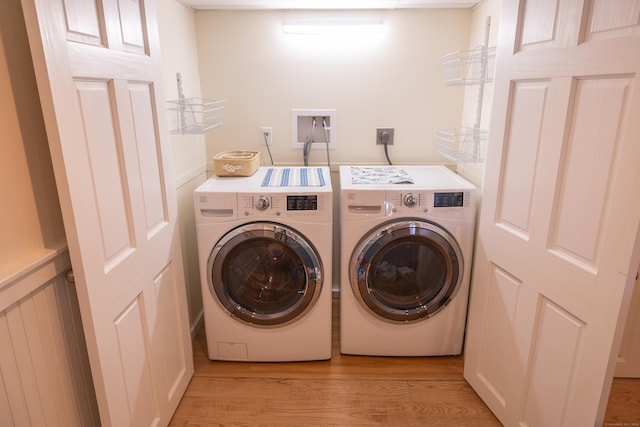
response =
{"points": [[406, 271], [265, 274]]}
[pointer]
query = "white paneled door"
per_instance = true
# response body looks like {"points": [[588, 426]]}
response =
{"points": [[557, 249], [98, 72]]}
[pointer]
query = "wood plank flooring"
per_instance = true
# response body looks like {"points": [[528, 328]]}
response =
{"points": [[349, 391]]}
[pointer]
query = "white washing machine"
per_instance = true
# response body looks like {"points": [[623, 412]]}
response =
{"points": [[265, 247], [406, 249]]}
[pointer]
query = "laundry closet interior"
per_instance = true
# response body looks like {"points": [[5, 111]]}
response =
{"points": [[338, 151]]}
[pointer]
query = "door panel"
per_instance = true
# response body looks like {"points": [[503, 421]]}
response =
{"points": [[611, 23], [98, 72], [555, 343], [132, 26], [83, 24], [111, 204], [148, 156], [598, 108], [550, 23], [521, 148], [132, 350], [501, 303], [170, 357], [558, 239]]}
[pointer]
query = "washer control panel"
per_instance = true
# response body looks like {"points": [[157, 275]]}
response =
{"points": [[270, 204], [302, 203]]}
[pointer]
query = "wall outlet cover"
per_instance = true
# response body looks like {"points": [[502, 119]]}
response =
{"points": [[384, 136]]}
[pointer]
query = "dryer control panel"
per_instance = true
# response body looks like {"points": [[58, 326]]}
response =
{"points": [[417, 201], [425, 201], [448, 200]]}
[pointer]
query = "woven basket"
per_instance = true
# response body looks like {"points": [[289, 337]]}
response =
{"points": [[236, 163]]}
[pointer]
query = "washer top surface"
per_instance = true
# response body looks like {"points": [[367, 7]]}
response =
{"points": [[273, 179], [401, 178]]}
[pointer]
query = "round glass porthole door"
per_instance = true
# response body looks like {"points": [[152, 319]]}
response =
{"points": [[406, 271], [265, 274]]}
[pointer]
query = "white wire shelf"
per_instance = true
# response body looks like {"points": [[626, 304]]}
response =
{"points": [[465, 144], [466, 67], [196, 115]]}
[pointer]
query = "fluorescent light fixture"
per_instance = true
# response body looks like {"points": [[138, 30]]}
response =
{"points": [[332, 26]]}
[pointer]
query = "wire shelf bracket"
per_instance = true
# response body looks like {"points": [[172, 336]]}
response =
{"points": [[194, 115]]}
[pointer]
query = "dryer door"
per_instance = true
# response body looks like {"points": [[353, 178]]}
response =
{"points": [[265, 274], [406, 271]]}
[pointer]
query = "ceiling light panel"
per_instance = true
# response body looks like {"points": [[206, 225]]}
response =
{"points": [[332, 26], [327, 4], [292, 4]]}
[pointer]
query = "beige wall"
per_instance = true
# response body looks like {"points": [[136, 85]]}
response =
{"points": [[30, 218], [176, 25], [390, 80]]}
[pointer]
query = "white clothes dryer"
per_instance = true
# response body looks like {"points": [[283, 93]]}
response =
{"points": [[265, 248], [406, 249]]}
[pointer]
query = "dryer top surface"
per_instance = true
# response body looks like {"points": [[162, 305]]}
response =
{"points": [[411, 177]]}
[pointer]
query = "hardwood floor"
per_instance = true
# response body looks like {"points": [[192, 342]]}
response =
{"points": [[349, 391]]}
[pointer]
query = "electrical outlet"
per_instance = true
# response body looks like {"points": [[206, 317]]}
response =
{"points": [[384, 136], [266, 136]]}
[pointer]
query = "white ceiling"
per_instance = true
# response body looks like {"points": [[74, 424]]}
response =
{"points": [[327, 4]]}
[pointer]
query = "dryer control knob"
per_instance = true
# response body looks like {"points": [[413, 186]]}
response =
{"points": [[262, 203], [410, 200]]}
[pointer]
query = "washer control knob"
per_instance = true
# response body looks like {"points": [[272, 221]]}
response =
{"points": [[410, 200], [262, 203]]}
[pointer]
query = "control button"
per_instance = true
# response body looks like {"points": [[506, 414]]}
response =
{"points": [[410, 200], [262, 203]]}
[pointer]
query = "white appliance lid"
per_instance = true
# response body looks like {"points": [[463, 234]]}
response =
{"points": [[436, 177]]}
